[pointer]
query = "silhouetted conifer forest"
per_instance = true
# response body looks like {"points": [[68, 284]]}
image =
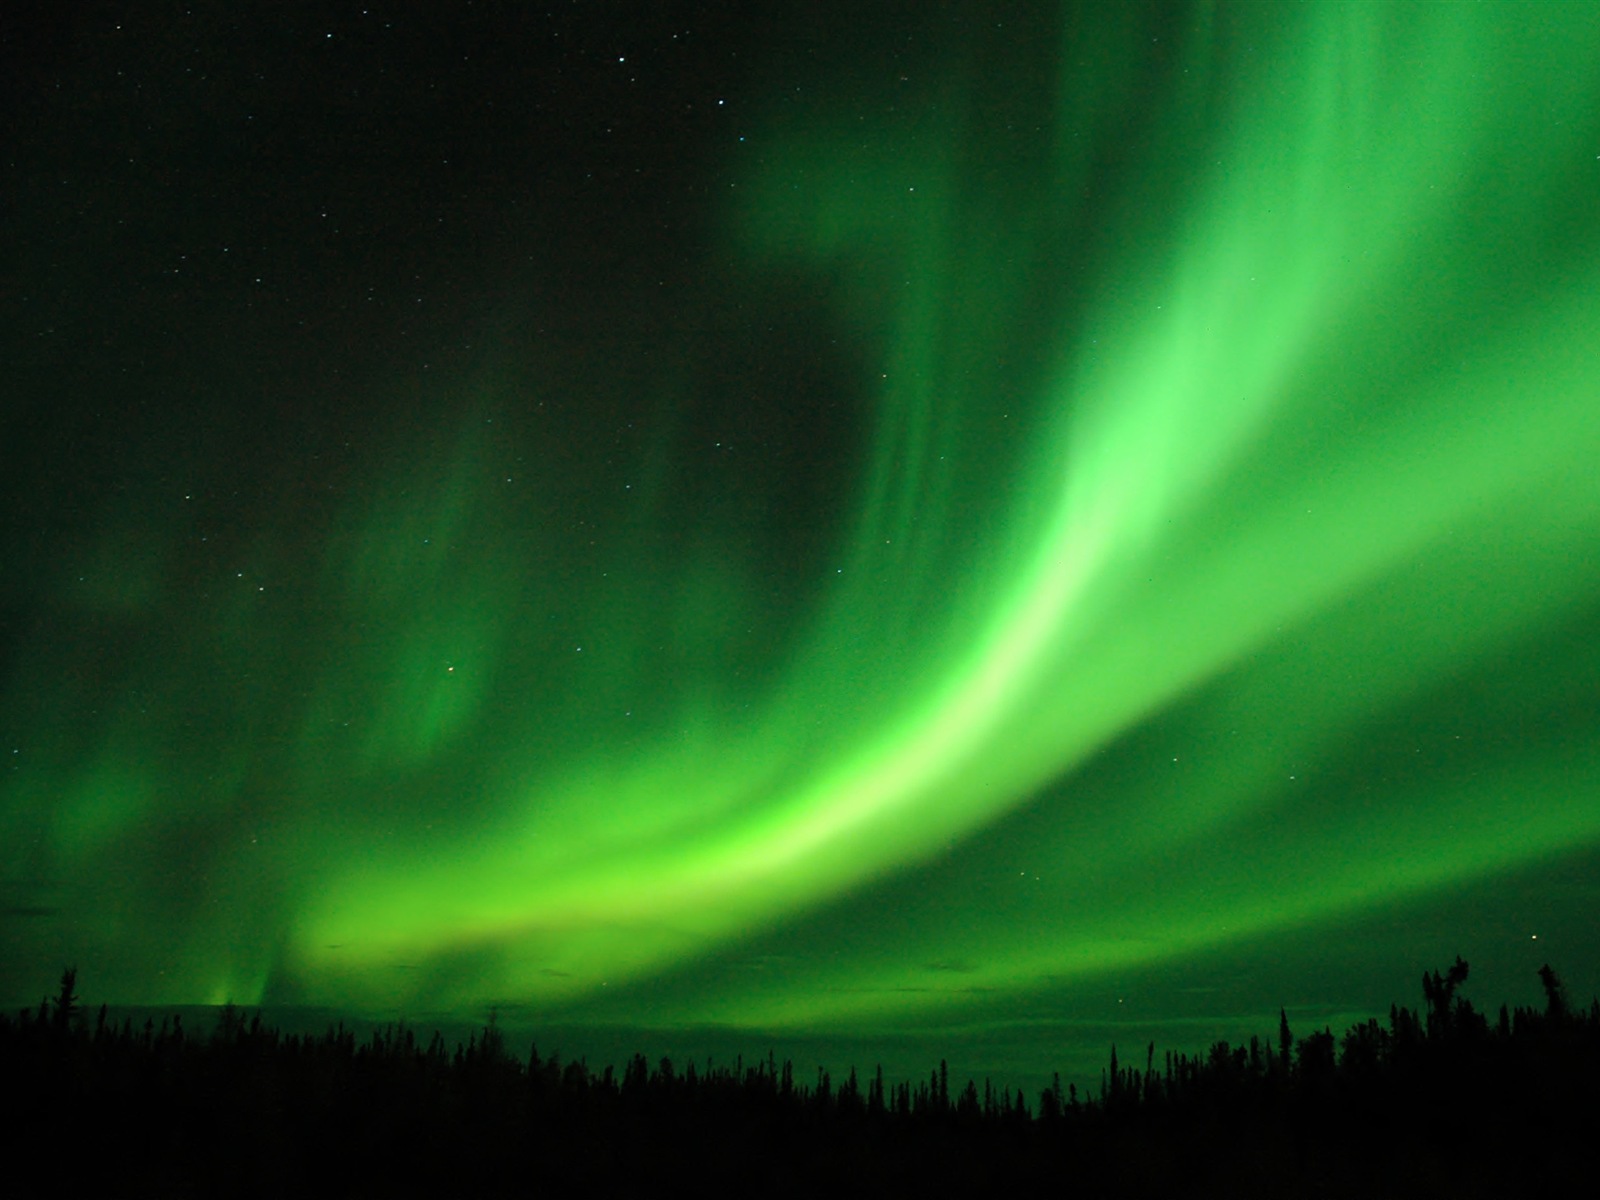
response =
{"points": [[1441, 1101]]}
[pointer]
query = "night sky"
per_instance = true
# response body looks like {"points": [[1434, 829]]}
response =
{"points": [[890, 530]]}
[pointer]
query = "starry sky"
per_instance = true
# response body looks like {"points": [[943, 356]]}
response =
{"points": [[895, 530]]}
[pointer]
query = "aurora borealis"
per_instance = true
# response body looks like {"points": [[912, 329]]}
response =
{"points": [[863, 518]]}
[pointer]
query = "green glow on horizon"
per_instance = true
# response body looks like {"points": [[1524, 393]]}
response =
{"points": [[1274, 442]]}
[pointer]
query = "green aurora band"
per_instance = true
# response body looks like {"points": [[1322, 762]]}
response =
{"points": [[1224, 438]]}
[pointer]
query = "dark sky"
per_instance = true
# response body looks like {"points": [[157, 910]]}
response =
{"points": [[894, 530]]}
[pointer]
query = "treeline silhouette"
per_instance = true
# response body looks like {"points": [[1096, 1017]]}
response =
{"points": [[1437, 1101]]}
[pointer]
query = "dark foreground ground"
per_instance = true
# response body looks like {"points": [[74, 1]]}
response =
{"points": [[1436, 1102]]}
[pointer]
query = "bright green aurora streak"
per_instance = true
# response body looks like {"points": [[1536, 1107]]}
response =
{"points": [[1242, 414]]}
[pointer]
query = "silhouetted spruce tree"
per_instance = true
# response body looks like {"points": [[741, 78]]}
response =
{"points": [[1440, 992], [967, 1103], [492, 1045], [1555, 994], [1049, 1105], [1314, 1058], [1364, 1048], [850, 1093], [901, 1095], [1019, 1112], [66, 1002]]}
